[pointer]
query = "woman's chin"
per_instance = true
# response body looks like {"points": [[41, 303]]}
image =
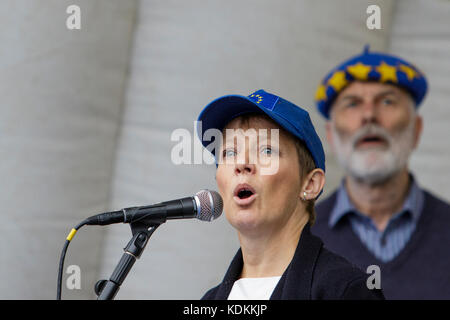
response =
{"points": [[245, 221]]}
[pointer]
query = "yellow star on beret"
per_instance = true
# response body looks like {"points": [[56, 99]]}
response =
{"points": [[338, 81], [359, 71], [387, 72], [410, 72], [321, 93]]}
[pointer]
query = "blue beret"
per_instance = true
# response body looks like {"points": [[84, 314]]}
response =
{"points": [[370, 66]]}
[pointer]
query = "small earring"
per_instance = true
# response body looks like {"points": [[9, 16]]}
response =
{"points": [[304, 195]]}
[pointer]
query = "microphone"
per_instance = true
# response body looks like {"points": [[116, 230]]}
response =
{"points": [[206, 205]]}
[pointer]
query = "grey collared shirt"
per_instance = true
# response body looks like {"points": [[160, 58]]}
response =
{"points": [[384, 245]]}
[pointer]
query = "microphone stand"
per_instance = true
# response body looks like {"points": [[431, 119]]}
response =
{"points": [[142, 231]]}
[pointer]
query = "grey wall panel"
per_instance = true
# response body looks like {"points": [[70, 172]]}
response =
{"points": [[421, 33], [61, 93], [187, 53]]}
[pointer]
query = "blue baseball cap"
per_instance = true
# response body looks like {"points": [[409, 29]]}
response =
{"points": [[218, 113], [370, 66]]}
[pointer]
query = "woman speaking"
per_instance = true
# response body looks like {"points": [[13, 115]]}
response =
{"points": [[270, 170]]}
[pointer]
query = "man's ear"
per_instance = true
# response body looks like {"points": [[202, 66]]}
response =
{"points": [[418, 128], [313, 184]]}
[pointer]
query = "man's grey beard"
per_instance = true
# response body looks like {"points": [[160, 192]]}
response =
{"points": [[374, 165]]}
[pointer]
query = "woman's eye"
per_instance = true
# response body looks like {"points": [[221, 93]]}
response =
{"points": [[266, 150], [229, 153]]}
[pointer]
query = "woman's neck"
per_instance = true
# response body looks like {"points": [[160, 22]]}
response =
{"points": [[269, 253]]}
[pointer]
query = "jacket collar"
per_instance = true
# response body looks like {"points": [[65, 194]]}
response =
{"points": [[296, 281]]}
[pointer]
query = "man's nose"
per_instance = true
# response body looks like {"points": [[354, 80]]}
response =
{"points": [[369, 112]]}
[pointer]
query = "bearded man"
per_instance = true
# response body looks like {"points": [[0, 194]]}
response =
{"points": [[380, 218]]}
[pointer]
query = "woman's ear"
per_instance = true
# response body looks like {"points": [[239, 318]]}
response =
{"points": [[313, 184]]}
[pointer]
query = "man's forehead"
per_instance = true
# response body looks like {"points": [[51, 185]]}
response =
{"points": [[369, 88]]}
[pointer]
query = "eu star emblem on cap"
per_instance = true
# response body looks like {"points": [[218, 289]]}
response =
{"points": [[370, 66], [295, 120], [264, 99]]}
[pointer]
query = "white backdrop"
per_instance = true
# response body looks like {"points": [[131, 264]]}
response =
{"points": [[87, 116], [61, 96], [421, 32]]}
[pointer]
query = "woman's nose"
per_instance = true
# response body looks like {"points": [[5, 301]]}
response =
{"points": [[244, 168]]}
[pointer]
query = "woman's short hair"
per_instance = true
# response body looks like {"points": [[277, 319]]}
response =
{"points": [[306, 164]]}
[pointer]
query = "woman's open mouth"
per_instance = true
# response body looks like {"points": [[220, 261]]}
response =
{"points": [[244, 194]]}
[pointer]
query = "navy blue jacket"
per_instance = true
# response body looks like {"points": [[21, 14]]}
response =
{"points": [[420, 271], [313, 273]]}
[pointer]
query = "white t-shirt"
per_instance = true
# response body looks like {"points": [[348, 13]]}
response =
{"points": [[253, 288]]}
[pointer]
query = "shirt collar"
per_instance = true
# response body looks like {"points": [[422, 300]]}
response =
{"points": [[343, 206]]}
